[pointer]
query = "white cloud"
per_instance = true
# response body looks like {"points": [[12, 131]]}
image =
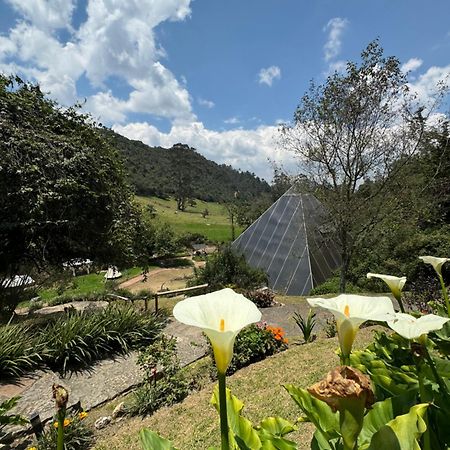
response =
{"points": [[45, 14], [426, 86], [232, 121], [206, 103], [411, 65], [116, 40], [266, 76], [336, 66], [245, 149], [335, 28]]}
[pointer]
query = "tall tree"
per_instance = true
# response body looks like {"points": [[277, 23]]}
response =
{"points": [[352, 129], [63, 192]]}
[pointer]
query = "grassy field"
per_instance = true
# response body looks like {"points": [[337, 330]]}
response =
{"points": [[92, 283], [193, 424], [216, 226]]}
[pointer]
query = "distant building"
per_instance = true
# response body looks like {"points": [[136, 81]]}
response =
{"points": [[293, 243]]}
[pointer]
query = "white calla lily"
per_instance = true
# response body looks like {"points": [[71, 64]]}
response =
{"points": [[350, 311], [437, 263], [395, 284], [221, 315], [411, 327]]}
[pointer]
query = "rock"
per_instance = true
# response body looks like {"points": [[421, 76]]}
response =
{"points": [[102, 422], [119, 410]]}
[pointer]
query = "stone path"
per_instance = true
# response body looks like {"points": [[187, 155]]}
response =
{"points": [[112, 377]]}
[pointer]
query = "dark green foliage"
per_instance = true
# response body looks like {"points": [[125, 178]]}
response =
{"points": [[262, 298], [18, 350], [77, 436], [229, 269], [161, 172], [63, 190], [9, 419], [187, 239], [164, 381], [306, 325], [331, 286], [255, 343], [77, 339]]}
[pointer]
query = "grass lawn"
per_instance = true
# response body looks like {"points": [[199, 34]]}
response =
{"points": [[87, 284], [216, 226], [193, 424]]}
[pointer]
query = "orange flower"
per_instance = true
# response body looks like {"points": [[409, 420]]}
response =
{"points": [[285, 341], [67, 422], [82, 415]]}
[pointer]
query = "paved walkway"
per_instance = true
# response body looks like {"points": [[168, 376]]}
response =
{"points": [[112, 377]]}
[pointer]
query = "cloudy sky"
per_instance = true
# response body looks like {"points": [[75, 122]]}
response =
{"points": [[216, 75]]}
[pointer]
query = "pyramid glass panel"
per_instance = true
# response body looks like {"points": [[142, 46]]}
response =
{"points": [[292, 242]]}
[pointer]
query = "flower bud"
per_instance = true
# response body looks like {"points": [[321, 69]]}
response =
{"points": [[61, 396]]}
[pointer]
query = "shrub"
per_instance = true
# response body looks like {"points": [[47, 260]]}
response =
{"points": [[306, 325], [255, 343], [262, 298], [187, 239], [227, 268], [18, 350], [331, 286], [77, 436], [330, 328], [80, 338], [160, 358]]}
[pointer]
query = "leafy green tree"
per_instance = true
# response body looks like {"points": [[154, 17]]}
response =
{"points": [[63, 189], [351, 130]]}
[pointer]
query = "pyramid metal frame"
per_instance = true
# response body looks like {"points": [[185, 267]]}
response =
{"points": [[293, 242]]}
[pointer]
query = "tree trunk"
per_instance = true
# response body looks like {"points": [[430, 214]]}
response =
{"points": [[345, 260]]}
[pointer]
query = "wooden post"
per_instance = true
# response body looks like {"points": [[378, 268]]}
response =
{"points": [[156, 302], [36, 424]]}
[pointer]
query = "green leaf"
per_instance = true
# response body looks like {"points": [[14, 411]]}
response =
{"points": [[152, 441], [318, 412], [242, 429], [401, 433], [383, 412], [271, 432], [277, 426]]}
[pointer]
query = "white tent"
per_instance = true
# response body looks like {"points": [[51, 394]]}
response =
{"points": [[17, 281], [112, 273]]}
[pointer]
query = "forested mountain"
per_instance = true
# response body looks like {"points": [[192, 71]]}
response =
{"points": [[163, 172]]}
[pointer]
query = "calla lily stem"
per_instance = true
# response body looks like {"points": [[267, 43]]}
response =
{"points": [[223, 411], [400, 303], [60, 440], [445, 294]]}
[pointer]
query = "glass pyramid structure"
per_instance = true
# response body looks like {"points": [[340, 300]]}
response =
{"points": [[293, 243]]}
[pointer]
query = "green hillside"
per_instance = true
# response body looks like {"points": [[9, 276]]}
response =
{"points": [[163, 172], [216, 226]]}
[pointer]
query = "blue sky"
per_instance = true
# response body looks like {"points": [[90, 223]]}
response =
{"points": [[217, 75]]}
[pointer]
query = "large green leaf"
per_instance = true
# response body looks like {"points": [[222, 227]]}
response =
{"points": [[317, 411], [385, 377], [152, 441], [401, 433], [383, 412], [268, 436], [243, 433], [276, 426]]}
